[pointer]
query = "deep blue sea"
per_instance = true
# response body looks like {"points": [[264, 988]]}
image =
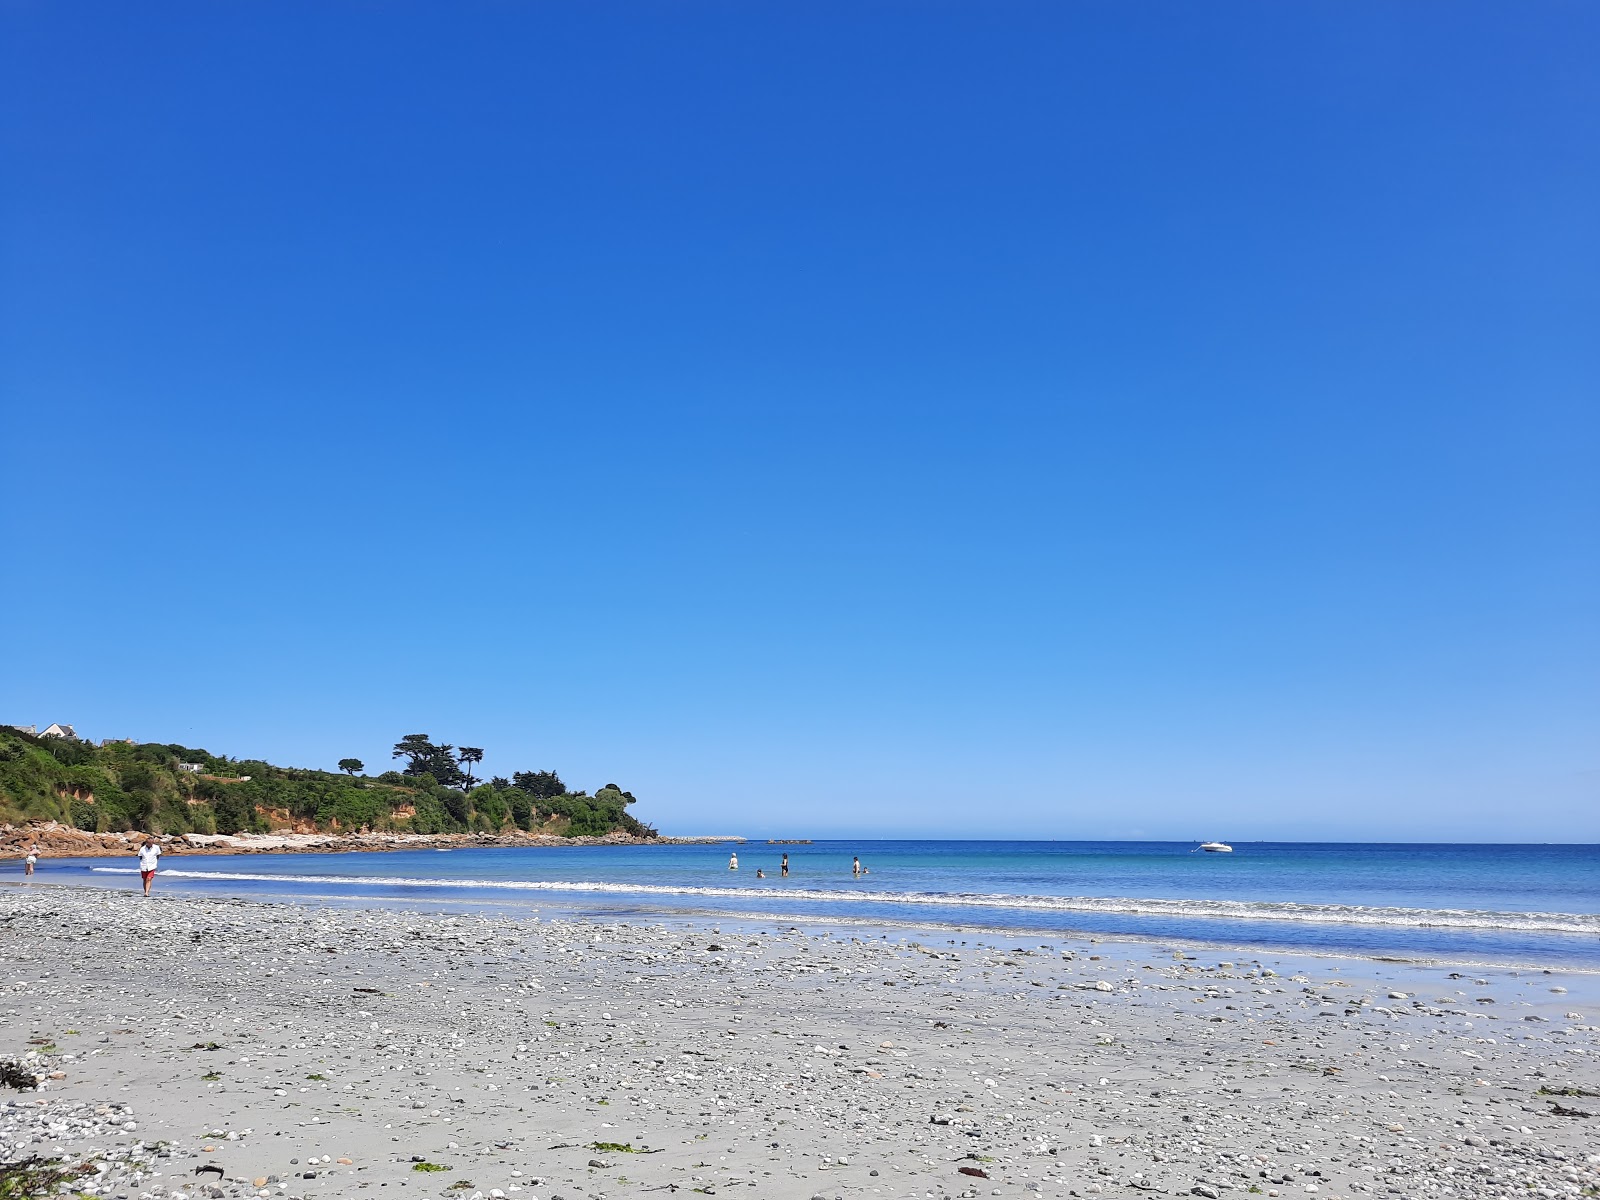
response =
{"points": [[1469, 903]]}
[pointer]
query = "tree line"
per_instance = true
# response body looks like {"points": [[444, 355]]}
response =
{"points": [[170, 788], [528, 799]]}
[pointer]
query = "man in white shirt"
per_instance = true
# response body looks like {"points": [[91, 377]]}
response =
{"points": [[149, 853]]}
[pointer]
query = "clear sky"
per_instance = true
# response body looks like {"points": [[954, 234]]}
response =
{"points": [[1058, 420]]}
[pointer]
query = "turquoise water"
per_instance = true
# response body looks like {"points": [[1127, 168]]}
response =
{"points": [[1519, 904]]}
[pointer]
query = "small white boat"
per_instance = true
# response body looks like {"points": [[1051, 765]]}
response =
{"points": [[1216, 847]]}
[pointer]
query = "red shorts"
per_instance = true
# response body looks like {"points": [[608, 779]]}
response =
{"points": [[147, 876]]}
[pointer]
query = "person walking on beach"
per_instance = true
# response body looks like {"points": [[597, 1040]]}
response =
{"points": [[149, 853], [733, 862], [784, 869], [33, 857]]}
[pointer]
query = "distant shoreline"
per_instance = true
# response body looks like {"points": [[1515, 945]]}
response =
{"points": [[60, 841]]}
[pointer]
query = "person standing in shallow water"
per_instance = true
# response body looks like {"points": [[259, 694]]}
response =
{"points": [[855, 867], [149, 855], [33, 857], [785, 867], [733, 862]]}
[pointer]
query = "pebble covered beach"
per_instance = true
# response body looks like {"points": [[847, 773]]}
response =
{"points": [[202, 1046]]}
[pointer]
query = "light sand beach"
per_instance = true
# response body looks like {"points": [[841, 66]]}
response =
{"points": [[303, 1051]]}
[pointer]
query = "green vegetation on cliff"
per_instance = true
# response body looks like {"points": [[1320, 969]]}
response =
{"points": [[161, 788]]}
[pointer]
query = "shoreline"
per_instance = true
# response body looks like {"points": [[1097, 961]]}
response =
{"points": [[61, 841], [307, 1052], [550, 908], [663, 885]]}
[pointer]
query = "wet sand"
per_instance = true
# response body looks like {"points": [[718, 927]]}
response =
{"points": [[310, 1051]]}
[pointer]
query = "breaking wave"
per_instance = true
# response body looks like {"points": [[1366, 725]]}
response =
{"points": [[1223, 910]]}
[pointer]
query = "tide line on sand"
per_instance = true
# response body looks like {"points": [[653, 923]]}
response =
{"points": [[1242, 910]]}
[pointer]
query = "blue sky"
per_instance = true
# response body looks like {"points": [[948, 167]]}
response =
{"points": [[1049, 420]]}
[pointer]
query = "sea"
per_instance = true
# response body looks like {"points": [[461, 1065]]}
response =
{"points": [[1521, 905]]}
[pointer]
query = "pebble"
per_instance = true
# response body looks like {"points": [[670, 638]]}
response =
{"points": [[752, 1062]]}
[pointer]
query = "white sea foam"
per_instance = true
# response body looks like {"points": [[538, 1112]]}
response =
{"points": [[1224, 910]]}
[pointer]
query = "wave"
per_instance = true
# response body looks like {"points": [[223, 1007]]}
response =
{"points": [[1224, 910]]}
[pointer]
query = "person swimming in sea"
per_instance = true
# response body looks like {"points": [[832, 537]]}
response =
{"points": [[760, 874]]}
